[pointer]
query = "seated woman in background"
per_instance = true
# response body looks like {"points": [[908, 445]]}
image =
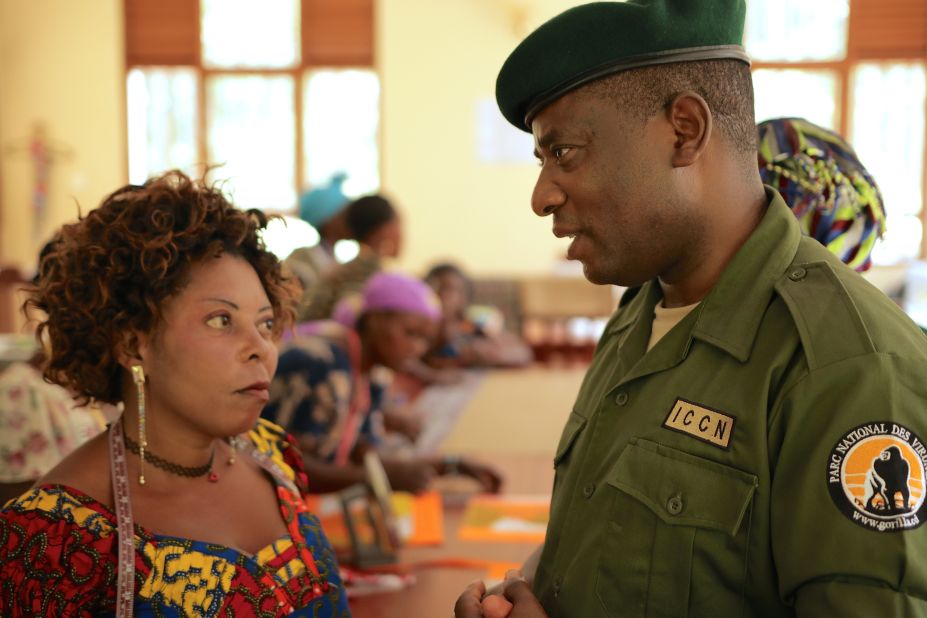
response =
{"points": [[324, 209], [328, 394], [39, 422], [165, 299], [375, 224], [471, 335]]}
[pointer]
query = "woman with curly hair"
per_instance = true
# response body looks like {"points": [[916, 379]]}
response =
{"points": [[165, 299]]}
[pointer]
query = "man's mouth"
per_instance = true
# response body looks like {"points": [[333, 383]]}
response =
{"points": [[561, 232], [571, 250]]}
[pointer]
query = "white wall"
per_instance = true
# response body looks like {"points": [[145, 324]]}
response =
{"points": [[61, 65]]}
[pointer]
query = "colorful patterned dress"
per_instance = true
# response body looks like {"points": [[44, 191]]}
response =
{"points": [[59, 557]]}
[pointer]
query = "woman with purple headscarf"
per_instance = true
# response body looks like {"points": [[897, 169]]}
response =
{"points": [[328, 391]]}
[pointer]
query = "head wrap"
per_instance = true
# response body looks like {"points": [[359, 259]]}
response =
{"points": [[819, 176], [319, 205], [389, 292]]}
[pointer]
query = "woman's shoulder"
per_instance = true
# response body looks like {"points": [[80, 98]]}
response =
{"points": [[61, 506], [86, 468], [58, 551]]}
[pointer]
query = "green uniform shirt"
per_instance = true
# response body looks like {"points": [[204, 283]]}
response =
{"points": [[765, 458]]}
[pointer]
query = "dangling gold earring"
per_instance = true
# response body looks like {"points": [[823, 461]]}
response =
{"points": [[138, 376]]}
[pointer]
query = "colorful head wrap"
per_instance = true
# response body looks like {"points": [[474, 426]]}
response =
{"points": [[819, 176], [390, 292], [319, 205]]}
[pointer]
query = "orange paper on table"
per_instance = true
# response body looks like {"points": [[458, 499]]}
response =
{"points": [[506, 519], [419, 519]]}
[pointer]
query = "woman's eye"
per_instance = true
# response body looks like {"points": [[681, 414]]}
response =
{"points": [[218, 321], [267, 325]]}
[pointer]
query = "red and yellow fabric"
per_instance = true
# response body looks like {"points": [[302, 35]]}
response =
{"points": [[58, 556]]}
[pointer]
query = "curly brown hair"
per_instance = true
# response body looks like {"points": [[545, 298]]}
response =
{"points": [[109, 274]]}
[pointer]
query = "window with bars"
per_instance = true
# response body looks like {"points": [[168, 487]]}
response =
{"points": [[858, 67], [279, 95]]}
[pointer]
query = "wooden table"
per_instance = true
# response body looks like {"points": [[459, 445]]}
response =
{"points": [[513, 423]]}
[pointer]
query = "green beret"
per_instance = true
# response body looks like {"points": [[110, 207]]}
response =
{"points": [[591, 41]]}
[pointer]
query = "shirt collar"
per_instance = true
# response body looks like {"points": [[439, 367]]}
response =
{"points": [[731, 313]]}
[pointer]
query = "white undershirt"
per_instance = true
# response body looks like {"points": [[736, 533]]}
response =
{"points": [[664, 319]]}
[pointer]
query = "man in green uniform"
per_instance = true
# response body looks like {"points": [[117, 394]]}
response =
{"points": [[750, 439]]}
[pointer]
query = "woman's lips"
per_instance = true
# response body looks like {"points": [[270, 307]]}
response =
{"points": [[259, 390]]}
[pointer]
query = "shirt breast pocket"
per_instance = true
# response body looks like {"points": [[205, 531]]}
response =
{"points": [[676, 542], [571, 431]]}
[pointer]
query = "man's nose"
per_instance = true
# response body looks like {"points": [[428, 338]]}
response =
{"points": [[547, 196]]}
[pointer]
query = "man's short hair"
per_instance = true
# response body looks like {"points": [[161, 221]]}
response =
{"points": [[726, 85]]}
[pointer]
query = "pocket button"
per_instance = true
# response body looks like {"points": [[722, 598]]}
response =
{"points": [[674, 505], [621, 398], [588, 490]]}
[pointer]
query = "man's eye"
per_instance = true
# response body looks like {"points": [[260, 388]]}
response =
{"points": [[561, 151], [218, 321]]}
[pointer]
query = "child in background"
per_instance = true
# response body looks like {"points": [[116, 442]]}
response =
{"points": [[471, 335]]}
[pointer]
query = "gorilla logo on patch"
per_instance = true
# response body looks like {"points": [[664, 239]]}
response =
{"points": [[888, 477], [876, 477]]}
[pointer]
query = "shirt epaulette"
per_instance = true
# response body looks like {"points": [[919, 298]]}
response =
{"points": [[828, 321]]}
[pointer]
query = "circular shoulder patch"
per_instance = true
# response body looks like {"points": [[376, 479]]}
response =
{"points": [[876, 476]]}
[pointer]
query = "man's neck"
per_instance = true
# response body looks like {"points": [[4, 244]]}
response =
{"points": [[693, 278]]}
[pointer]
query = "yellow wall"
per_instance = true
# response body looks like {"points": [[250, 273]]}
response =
{"points": [[437, 60], [61, 65]]}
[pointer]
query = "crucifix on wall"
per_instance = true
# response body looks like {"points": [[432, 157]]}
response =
{"points": [[43, 153]]}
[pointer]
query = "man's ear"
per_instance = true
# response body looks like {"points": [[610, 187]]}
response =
{"points": [[691, 120], [130, 349]]}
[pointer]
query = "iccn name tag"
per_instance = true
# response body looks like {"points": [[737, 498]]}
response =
{"points": [[700, 422]]}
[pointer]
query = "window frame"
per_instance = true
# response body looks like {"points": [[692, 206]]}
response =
{"points": [[355, 14], [860, 50]]}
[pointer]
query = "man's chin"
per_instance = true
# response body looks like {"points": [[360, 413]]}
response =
{"points": [[595, 276], [603, 277]]}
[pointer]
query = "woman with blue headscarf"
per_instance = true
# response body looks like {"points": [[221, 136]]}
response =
{"points": [[324, 209]]}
